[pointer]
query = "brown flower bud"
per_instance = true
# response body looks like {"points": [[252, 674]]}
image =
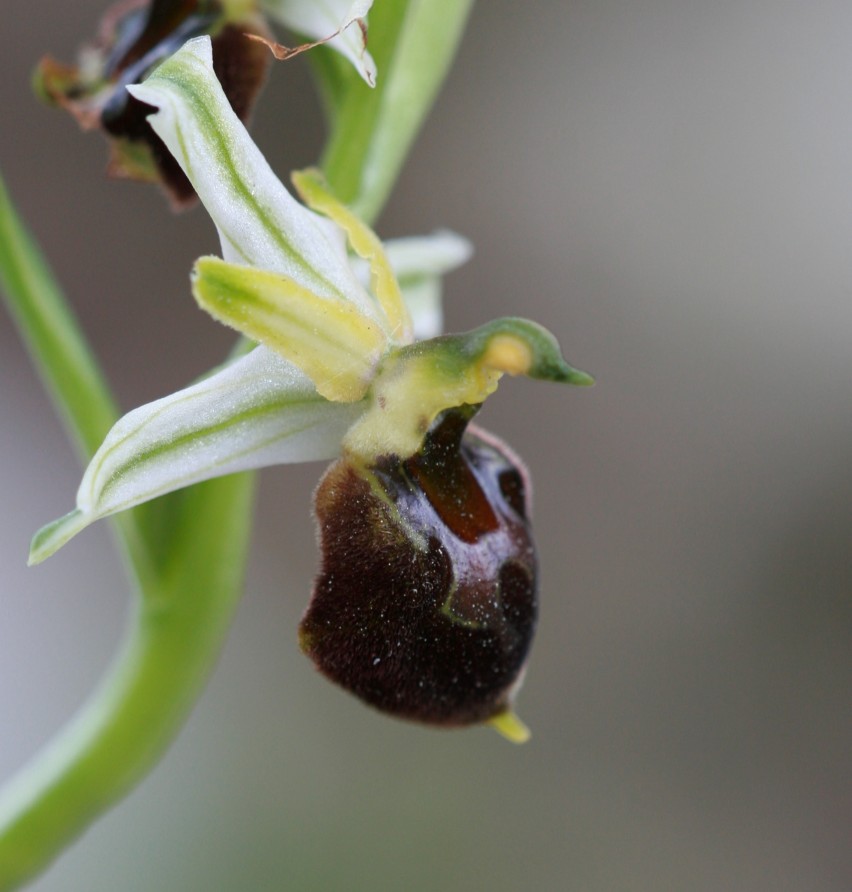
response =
{"points": [[425, 604]]}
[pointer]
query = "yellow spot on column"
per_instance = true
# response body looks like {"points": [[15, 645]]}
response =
{"points": [[508, 354]]}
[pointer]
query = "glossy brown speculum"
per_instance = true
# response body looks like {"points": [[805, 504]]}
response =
{"points": [[425, 605]]}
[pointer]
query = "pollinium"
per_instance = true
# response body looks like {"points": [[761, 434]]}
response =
{"points": [[425, 604]]}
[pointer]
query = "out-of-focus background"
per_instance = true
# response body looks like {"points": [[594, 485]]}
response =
{"points": [[667, 186]]}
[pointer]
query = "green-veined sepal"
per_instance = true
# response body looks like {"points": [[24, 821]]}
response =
{"points": [[257, 411], [260, 224]]}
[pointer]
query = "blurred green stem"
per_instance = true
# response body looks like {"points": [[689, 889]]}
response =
{"points": [[188, 591], [414, 43], [53, 337], [59, 349], [174, 637]]}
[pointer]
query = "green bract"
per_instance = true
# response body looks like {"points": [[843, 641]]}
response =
{"points": [[337, 365]]}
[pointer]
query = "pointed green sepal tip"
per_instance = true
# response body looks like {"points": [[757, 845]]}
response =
{"points": [[53, 536], [522, 347], [508, 725]]}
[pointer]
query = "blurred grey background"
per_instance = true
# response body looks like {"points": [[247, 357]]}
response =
{"points": [[666, 185]]}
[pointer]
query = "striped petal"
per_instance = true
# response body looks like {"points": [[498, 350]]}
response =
{"points": [[329, 341], [365, 243]]}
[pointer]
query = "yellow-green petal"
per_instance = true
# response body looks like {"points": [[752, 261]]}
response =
{"points": [[330, 341], [365, 243]]}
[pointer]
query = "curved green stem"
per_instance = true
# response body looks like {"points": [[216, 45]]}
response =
{"points": [[186, 553], [174, 639], [59, 349]]}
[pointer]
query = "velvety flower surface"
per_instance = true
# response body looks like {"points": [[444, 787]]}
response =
{"points": [[425, 605]]}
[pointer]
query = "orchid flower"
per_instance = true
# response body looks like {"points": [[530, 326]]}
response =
{"points": [[136, 36], [425, 604]]}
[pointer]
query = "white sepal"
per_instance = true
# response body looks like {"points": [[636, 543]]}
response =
{"points": [[259, 410], [318, 19], [260, 224]]}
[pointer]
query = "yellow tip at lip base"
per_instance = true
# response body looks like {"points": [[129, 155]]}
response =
{"points": [[508, 725]]}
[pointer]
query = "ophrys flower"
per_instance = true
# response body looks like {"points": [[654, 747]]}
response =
{"points": [[438, 517]]}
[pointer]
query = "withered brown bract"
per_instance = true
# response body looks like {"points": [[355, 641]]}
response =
{"points": [[425, 604]]}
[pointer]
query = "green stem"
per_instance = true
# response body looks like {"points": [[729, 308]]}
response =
{"points": [[414, 44], [174, 639], [61, 354], [187, 560], [52, 335]]}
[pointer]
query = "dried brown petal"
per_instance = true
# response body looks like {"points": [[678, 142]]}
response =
{"points": [[425, 605]]}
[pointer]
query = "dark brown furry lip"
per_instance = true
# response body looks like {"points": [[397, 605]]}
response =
{"points": [[425, 605]]}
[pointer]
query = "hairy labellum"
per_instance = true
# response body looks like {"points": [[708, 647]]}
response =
{"points": [[135, 36], [425, 605]]}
